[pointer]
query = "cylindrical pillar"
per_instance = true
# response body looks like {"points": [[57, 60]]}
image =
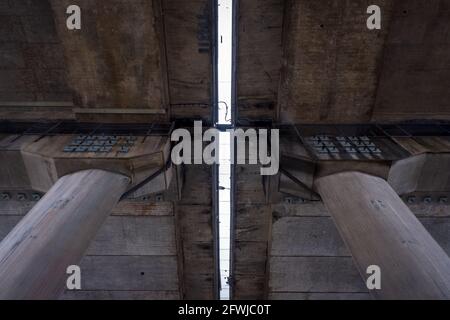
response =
{"points": [[379, 229], [55, 234]]}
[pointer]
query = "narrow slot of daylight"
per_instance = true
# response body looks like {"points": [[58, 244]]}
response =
{"points": [[225, 27], [225, 34]]}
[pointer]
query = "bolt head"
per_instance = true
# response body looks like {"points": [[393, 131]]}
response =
{"points": [[427, 200], [5, 196], [21, 196], [36, 196], [443, 200], [411, 199], [288, 200]]}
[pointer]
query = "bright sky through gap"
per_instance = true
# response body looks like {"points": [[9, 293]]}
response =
{"points": [[224, 212], [225, 26]]}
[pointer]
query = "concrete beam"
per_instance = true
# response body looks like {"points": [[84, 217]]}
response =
{"points": [[55, 234], [379, 229]]}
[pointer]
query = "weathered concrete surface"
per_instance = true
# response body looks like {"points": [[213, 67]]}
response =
{"points": [[55, 234], [259, 55], [306, 242], [32, 61], [252, 222], [331, 68], [117, 59], [146, 249], [331, 61], [415, 78], [188, 31], [132, 61], [195, 223]]}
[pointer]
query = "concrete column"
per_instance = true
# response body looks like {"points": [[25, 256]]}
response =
{"points": [[55, 234], [379, 229]]}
